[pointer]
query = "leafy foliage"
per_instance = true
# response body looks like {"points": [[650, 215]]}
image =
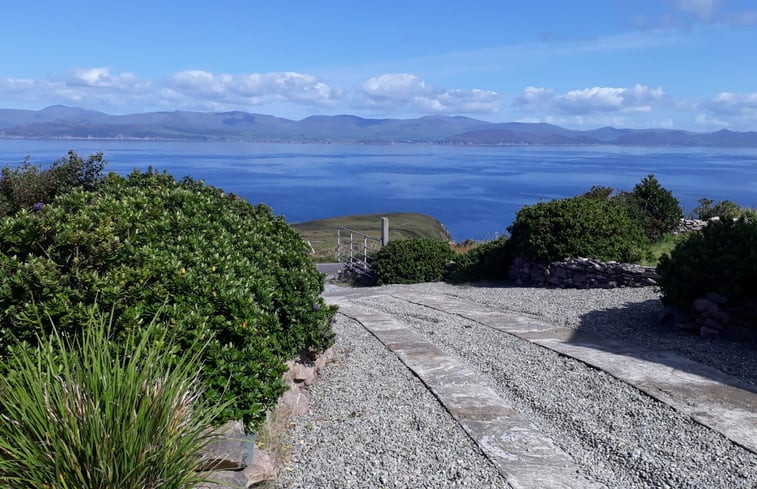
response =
{"points": [[660, 211], [410, 261], [86, 414], [489, 261], [599, 192], [205, 264], [725, 209], [28, 186], [577, 227], [721, 258]]}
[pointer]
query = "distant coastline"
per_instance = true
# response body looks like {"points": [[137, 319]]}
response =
{"points": [[72, 123]]}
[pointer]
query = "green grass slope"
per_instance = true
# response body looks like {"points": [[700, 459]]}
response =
{"points": [[322, 233]]}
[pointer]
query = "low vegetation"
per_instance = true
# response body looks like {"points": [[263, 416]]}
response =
{"points": [[721, 258], [321, 234], [85, 413], [410, 261], [205, 264], [488, 261], [577, 227], [29, 185]]}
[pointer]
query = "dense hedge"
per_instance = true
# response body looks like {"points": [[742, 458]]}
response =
{"points": [[489, 261], [410, 261], [204, 263], [721, 258], [577, 227]]}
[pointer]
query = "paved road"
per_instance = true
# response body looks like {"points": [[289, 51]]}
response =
{"points": [[330, 269]]}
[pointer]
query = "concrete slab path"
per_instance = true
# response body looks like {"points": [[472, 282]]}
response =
{"points": [[721, 402], [525, 456]]}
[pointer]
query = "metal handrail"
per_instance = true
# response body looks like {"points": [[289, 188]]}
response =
{"points": [[353, 260]]}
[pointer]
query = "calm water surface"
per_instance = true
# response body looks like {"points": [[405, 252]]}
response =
{"points": [[474, 191]]}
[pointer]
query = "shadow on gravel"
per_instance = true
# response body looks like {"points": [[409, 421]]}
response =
{"points": [[638, 324]]}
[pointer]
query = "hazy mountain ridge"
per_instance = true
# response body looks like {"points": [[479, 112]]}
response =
{"points": [[71, 122]]}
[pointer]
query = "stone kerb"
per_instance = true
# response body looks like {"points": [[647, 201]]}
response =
{"points": [[233, 461], [582, 273]]}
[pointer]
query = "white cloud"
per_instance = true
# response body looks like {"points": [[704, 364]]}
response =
{"points": [[102, 78], [407, 91], [609, 99], [535, 96], [708, 121], [729, 109], [251, 88], [16, 85], [395, 86]]}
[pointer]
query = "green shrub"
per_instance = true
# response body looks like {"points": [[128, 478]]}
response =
{"points": [[489, 261], [721, 258], [410, 261], [725, 209], [28, 185], [84, 414], [577, 227], [660, 211], [204, 263]]}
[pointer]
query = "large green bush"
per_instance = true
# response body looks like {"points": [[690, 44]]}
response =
{"points": [[410, 261], [721, 258], [28, 185], [202, 262], [660, 212], [577, 227], [489, 261], [83, 413]]}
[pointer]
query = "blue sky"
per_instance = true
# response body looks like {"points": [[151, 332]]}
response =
{"points": [[687, 64]]}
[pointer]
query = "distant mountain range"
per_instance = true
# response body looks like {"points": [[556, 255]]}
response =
{"points": [[61, 122]]}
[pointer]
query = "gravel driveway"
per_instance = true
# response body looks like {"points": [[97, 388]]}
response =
{"points": [[372, 423]]}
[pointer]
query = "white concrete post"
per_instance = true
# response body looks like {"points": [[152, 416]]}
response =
{"points": [[384, 231]]}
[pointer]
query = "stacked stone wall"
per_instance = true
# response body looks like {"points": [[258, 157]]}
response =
{"points": [[582, 273], [715, 315]]}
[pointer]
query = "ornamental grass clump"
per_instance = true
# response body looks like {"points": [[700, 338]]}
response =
{"points": [[87, 414]]}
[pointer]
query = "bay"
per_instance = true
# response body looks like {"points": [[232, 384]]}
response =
{"points": [[474, 191]]}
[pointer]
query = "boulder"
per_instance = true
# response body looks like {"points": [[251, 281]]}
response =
{"points": [[231, 450]]}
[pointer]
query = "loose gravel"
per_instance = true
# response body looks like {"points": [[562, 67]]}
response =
{"points": [[372, 424], [630, 314]]}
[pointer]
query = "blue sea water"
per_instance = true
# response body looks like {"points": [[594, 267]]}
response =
{"points": [[474, 191]]}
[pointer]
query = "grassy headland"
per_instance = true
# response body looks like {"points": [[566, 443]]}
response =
{"points": [[322, 233]]}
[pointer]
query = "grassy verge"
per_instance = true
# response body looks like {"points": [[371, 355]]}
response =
{"points": [[662, 247], [322, 233]]}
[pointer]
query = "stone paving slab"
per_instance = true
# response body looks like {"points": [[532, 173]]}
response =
{"points": [[526, 457], [719, 401]]}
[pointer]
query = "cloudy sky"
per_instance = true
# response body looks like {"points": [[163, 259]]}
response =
{"points": [[688, 64]]}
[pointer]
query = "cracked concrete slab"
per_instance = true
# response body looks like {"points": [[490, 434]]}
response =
{"points": [[719, 401], [521, 452]]}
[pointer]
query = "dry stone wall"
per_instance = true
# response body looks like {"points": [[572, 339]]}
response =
{"points": [[714, 315], [582, 273]]}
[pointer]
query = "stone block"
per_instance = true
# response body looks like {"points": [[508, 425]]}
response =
{"points": [[232, 450], [294, 401], [324, 358], [260, 469], [225, 479]]}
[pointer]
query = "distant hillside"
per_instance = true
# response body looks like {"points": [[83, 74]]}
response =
{"points": [[70, 122], [322, 233]]}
